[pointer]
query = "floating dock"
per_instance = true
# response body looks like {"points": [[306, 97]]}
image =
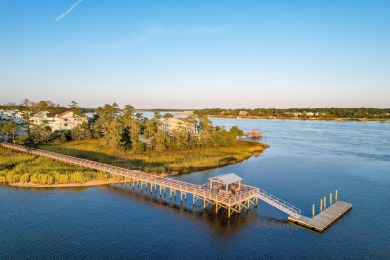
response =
{"points": [[324, 219], [224, 191]]}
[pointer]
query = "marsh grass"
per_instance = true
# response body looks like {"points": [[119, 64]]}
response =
{"points": [[183, 161], [16, 167]]}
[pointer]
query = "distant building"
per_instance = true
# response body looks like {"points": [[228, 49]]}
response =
{"points": [[43, 117], [12, 115], [65, 121], [171, 125], [243, 113]]}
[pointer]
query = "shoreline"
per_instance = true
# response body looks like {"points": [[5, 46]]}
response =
{"points": [[64, 185], [303, 119]]}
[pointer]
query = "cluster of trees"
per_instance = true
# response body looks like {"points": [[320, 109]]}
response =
{"points": [[300, 112], [128, 130], [34, 107], [8, 129], [125, 129]]}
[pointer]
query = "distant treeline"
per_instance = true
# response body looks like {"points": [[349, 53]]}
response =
{"points": [[326, 113], [27, 105]]}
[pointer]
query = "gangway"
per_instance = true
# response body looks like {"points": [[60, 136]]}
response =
{"points": [[279, 204]]}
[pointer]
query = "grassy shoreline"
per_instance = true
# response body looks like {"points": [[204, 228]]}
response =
{"points": [[31, 171]]}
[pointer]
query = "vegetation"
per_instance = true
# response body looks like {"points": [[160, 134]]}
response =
{"points": [[301, 113], [34, 107], [8, 128], [181, 161], [123, 138], [17, 167]]}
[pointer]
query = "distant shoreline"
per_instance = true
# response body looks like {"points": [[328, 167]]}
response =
{"points": [[302, 119]]}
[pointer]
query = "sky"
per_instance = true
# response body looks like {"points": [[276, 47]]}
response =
{"points": [[196, 53]]}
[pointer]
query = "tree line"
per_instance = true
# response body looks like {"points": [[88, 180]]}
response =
{"points": [[373, 113]]}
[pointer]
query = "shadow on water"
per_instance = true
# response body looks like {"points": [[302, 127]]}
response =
{"points": [[219, 223]]}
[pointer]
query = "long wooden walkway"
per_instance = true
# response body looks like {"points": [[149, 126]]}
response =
{"points": [[243, 199]]}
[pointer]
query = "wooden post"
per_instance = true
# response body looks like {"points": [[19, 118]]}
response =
{"points": [[336, 196], [216, 204], [314, 210], [325, 202], [321, 205], [193, 198], [330, 199]]}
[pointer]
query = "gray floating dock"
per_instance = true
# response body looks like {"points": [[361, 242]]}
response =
{"points": [[325, 219]]}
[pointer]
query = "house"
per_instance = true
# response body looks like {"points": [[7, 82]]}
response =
{"points": [[170, 125], [310, 114], [65, 121], [43, 117], [243, 113]]}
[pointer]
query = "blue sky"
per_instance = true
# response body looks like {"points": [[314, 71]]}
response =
{"points": [[196, 53]]}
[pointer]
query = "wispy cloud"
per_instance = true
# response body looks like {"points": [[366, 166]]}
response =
{"points": [[155, 31], [58, 18]]}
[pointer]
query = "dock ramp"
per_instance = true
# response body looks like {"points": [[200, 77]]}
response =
{"points": [[279, 204]]}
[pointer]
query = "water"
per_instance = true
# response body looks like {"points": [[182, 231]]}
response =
{"points": [[306, 161]]}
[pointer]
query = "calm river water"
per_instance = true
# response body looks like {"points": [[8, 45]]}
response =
{"points": [[306, 161]]}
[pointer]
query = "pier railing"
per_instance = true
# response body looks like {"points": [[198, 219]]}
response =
{"points": [[279, 203]]}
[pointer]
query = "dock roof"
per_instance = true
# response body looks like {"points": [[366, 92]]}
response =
{"points": [[228, 178]]}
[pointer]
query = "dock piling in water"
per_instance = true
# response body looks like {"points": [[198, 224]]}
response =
{"points": [[313, 210]]}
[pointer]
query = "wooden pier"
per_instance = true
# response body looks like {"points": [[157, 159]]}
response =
{"points": [[224, 191]]}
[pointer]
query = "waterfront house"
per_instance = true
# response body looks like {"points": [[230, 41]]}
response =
{"points": [[43, 118], [65, 121], [171, 125]]}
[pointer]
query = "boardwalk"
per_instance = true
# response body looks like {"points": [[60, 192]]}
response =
{"points": [[243, 198]]}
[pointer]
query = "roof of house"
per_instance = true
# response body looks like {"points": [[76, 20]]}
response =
{"points": [[63, 114], [50, 114], [228, 178]]}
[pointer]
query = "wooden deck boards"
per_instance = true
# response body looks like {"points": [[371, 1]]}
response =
{"points": [[324, 219]]}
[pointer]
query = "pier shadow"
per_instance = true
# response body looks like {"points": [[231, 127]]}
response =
{"points": [[219, 223]]}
